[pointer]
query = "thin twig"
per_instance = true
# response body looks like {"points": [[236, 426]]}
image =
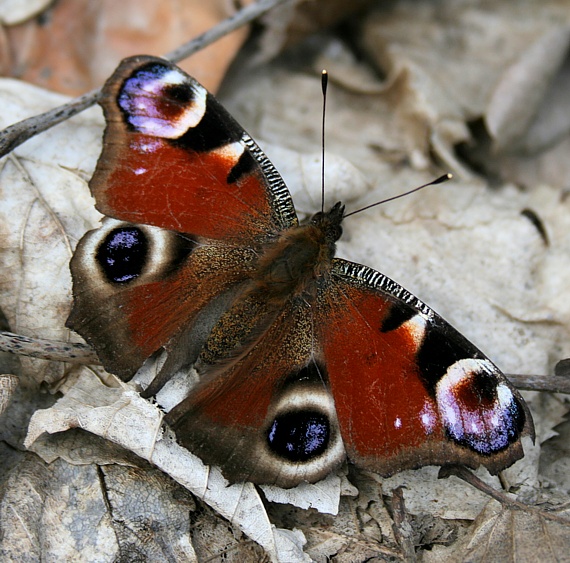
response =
{"points": [[550, 383], [16, 134], [54, 350], [465, 475]]}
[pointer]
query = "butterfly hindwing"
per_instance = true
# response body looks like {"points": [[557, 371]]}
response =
{"points": [[409, 389], [265, 413], [138, 288]]}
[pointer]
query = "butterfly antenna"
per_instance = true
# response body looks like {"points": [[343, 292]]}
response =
{"points": [[439, 180], [324, 85]]}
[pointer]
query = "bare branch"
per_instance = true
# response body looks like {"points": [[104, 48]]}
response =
{"points": [[16, 134], [53, 350]]}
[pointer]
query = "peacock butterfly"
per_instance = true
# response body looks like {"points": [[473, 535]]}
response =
{"points": [[304, 359]]}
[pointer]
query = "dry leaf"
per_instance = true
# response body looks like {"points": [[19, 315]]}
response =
{"points": [[469, 252], [100, 34], [502, 534], [119, 414], [521, 90], [68, 512], [289, 24], [450, 64], [43, 191]]}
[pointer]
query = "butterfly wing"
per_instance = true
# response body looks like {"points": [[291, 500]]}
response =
{"points": [[192, 197], [264, 413], [173, 157], [409, 389], [363, 369]]}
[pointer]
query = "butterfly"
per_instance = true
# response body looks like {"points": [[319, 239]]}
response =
{"points": [[304, 359]]}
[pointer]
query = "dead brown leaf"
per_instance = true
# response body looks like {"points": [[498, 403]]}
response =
{"points": [[452, 64], [76, 44]]}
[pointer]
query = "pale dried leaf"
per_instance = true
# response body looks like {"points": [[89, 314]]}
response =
{"points": [[520, 92], [443, 63], [35, 496], [120, 415], [43, 192], [323, 496], [64, 512]]}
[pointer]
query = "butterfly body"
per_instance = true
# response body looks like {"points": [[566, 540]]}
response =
{"points": [[304, 358]]}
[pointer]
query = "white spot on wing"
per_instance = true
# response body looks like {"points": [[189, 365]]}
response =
{"points": [[231, 152], [416, 328], [428, 417]]}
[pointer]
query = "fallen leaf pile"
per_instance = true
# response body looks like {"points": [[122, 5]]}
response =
{"points": [[88, 470]]}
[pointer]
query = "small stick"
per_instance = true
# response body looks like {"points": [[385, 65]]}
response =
{"points": [[16, 134], [465, 475], [52, 350], [550, 383]]}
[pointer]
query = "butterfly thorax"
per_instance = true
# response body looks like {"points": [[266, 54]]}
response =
{"points": [[288, 266]]}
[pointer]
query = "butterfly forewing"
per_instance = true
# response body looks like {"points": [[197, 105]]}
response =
{"points": [[173, 157]]}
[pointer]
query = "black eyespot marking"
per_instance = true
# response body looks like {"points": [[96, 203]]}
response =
{"points": [[441, 348], [299, 436], [243, 166], [398, 314], [216, 129], [123, 254]]}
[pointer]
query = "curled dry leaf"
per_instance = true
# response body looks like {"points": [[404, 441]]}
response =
{"points": [[520, 92], [119, 414], [452, 64]]}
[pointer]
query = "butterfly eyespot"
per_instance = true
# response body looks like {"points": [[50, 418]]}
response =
{"points": [[123, 254], [299, 436], [479, 410]]}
